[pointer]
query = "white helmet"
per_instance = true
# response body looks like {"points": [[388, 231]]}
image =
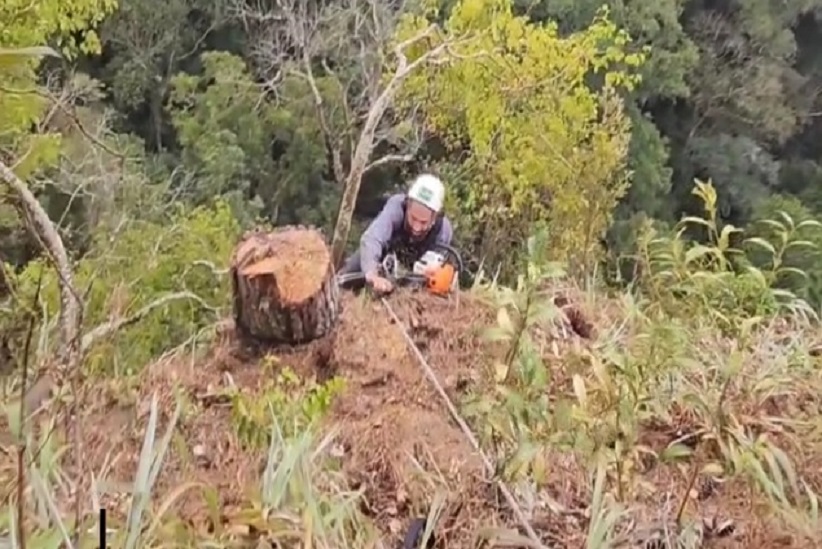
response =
{"points": [[429, 191]]}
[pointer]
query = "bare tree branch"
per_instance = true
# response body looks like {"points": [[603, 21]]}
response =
{"points": [[44, 230], [108, 329], [71, 309], [365, 144], [332, 149], [388, 158], [301, 30]]}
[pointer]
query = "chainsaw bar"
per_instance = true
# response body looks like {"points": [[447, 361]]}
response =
{"points": [[443, 281]]}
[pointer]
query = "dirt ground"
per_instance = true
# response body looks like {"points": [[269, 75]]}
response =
{"points": [[392, 423]]}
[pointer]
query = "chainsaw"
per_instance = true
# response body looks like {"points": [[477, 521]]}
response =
{"points": [[437, 271]]}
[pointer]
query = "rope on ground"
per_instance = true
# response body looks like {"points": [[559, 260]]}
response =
{"points": [[466, 430]]}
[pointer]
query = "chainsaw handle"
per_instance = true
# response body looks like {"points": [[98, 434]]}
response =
{"points": [[408, 279]]}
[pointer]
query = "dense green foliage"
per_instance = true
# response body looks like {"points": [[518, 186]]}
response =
{"points": [[543, 148], [721, 92]]}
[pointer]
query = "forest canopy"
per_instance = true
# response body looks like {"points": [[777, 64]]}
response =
{"points": [[625, 106]]}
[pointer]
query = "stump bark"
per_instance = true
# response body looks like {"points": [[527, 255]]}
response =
{"points": [[283, 286]]}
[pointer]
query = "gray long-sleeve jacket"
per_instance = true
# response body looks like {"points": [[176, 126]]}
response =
{"points": [[388, 231]]}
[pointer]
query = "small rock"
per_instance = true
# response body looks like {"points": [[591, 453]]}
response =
{"points": [[337, 451], [200, 456], [395, 526], [716, 528]]}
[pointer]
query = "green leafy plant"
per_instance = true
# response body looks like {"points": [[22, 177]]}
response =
{"points": [[185, 255], [782, 238], [303, 499], [296, 402], [516, 414], [715, 280], [698, 348]]}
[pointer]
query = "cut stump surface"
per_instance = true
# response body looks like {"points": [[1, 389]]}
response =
{"points": [[283, 285]]}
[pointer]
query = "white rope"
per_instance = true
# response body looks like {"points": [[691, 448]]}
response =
{"points": [[469, 434]]}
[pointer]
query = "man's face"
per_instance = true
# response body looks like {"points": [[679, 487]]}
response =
{"points": [[419, 219]]}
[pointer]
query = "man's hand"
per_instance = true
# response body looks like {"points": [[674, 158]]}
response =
{"points": [[380, 284]]}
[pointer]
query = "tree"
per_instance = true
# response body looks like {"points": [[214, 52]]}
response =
{"points": [[28, 140], [541, 146], [149, 41], [262, 155], [747, 173], [23, 105], [747, 79], [225, 130], [348, 49], [30, 25], [671, 54]]}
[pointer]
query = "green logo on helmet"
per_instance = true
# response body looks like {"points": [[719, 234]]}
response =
{"points": [[425, 194]]}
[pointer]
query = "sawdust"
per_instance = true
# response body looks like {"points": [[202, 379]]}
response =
{"points": [[297, 258]]}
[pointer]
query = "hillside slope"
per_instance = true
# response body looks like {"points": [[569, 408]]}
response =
{"points": [[396, 441], [388, 414]]}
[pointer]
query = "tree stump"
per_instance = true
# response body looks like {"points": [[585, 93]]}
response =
{"points": [[283, 286]]}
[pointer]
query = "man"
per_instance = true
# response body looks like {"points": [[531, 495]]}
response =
{"points": [[408, 225]]}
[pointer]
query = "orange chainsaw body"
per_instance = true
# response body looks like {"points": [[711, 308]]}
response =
{"points": [[441, 279]]}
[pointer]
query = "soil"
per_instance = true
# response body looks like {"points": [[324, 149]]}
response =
{"points": [[391, 420], [392, 425], [297, 258]]}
